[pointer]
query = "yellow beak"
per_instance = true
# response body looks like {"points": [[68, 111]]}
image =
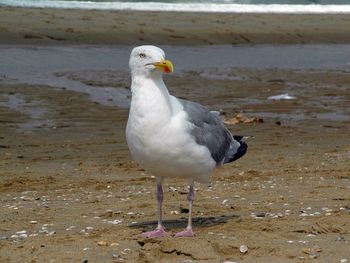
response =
{"points": [[165, 66]]}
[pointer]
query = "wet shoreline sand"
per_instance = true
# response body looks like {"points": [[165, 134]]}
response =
{"points": [[74, 26]]}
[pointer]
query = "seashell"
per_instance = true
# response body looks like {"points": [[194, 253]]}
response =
{"points": [[243, 249]]}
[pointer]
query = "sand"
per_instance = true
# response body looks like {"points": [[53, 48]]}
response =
{"points": [[61, 26], [70, 192]]}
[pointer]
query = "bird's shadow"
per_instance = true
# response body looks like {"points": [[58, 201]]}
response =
{"points": [[182, 222]]}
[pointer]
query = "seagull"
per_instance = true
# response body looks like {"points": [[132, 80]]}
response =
{"points": [[172, 137]]}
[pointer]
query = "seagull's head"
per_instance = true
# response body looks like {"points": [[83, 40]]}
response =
{"points": [[149, 60]]}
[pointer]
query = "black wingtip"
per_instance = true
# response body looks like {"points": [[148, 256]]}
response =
{"points": [[237, 137], [242, 149]]}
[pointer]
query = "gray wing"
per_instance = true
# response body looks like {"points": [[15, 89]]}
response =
{"points": [[209, 130]]}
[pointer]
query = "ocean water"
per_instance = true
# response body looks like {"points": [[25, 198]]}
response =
{"points": [[237, 6], [52, 65], [243, 2]]}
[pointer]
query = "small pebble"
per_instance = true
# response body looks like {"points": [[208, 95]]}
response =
{"points": [[114, 244], [102, 243], [340, 238], [343, 260], [115, 222], [261, 214], [243, 249], [225, 201]]}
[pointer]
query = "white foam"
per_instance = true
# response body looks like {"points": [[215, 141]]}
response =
{"points": [[184, 7]]}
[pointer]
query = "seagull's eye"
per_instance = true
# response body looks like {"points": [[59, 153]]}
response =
{"points": [[142, 55]]}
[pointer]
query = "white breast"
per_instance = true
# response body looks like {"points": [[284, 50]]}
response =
{"points": [[159, 140]]}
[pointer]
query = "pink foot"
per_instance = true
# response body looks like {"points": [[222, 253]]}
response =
{"points": [[159, 232], [186, 233]]}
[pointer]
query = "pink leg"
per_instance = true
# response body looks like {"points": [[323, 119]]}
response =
{"points": [[159, 231], [188, 232]]}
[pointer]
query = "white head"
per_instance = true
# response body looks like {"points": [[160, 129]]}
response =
{"points": [[149, 61]]}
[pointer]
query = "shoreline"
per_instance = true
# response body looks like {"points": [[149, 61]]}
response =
{"points": [[95, 70], [189, 7], [103, 27]]}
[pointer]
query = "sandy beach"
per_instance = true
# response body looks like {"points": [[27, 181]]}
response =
{"points": [[71, 193], [74, 26], [68, 181]]}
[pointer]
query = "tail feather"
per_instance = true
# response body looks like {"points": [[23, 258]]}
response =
{"points": [[237, 149]]}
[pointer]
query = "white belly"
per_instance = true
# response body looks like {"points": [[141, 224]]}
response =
{"points": [[167, 149]]}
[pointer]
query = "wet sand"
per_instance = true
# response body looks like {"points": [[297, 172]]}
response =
{"points": [[70, 192], [73, 26]]}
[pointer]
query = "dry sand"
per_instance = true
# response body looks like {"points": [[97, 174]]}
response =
{"points": [[69, 190], [61, 26]]}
